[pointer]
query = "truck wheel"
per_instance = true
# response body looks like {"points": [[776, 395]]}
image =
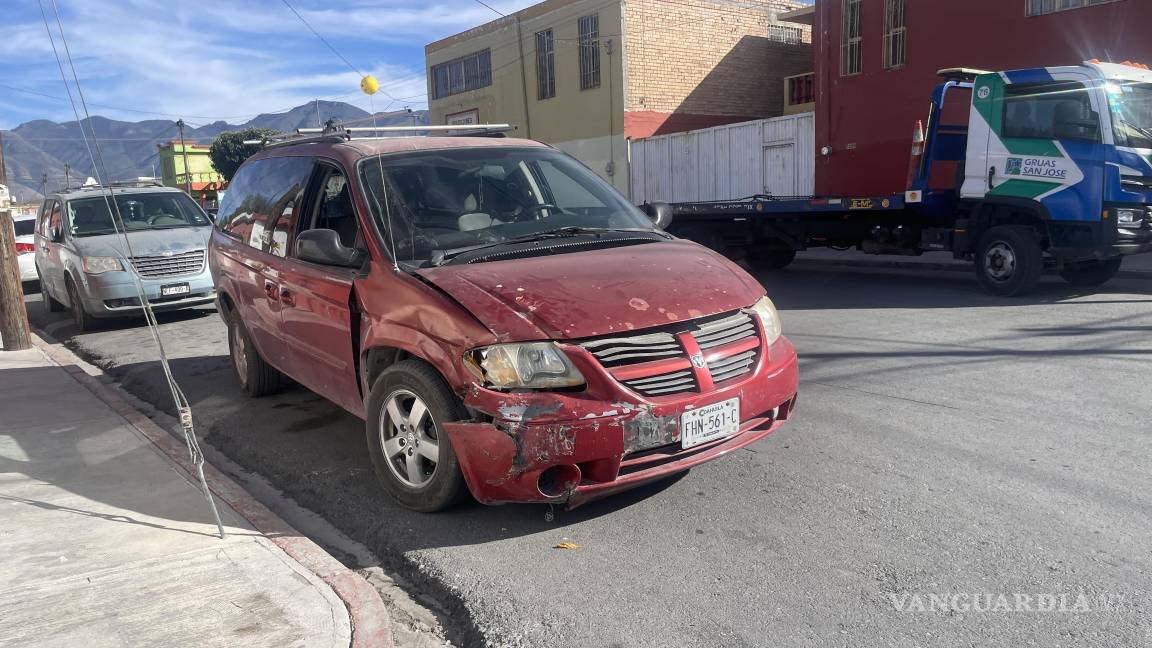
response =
{"points": [[1091, 273], [410, 451], [769, 257], [1009, 260], [257, 377], [84, 322]]}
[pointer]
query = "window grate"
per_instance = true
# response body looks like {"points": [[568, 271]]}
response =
{"points": [[851, 39], [545, 65], [464, 74], [589, 52], [1044, 7], [895, 34], [785, 34]]}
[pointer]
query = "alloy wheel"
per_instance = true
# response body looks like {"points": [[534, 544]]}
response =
{"points": [[408, 437]]}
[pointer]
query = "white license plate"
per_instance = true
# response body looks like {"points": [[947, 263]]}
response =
{"points": [[174, 289], [710, 423]]}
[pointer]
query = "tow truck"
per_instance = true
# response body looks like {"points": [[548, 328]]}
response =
{"points": [[1053, 168]]}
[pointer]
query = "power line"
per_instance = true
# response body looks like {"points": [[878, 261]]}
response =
{"points": [[490, 7]]}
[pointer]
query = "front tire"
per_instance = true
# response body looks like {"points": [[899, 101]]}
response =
{"points": [[257, 377], [80, 317], [1091, 273], [411, 453], [1009, 260]]}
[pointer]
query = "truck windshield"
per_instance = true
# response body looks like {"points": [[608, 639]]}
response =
{"points": [[140, 211], [455, 198], [1132, 114]]}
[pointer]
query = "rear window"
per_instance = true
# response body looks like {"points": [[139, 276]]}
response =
{"points": [[25, 227], [263, 192]]}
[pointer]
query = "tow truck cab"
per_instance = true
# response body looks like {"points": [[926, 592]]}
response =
{"points": [[1066, 151]]}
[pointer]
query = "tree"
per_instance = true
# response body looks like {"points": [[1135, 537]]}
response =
{"points": [[229, 151]]}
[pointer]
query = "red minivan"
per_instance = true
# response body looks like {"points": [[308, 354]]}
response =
{"points": [[502, 319]]}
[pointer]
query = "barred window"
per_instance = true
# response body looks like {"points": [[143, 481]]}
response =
{"points": [[470, 72], [851, 39], [1042, 7], [895, 34], [590, 52], [545, 65], [785, 34]]}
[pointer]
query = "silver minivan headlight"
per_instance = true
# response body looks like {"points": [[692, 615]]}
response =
{"points": [[100, 265], [769, 319]]}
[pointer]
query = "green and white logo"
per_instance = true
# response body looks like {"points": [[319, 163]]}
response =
{"points": [[1015, 166]]}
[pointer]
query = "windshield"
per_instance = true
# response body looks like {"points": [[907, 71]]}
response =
{"points": [[456, 198], [140, 211], [1131, 105]]}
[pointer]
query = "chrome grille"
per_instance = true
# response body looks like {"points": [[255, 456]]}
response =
{"points": [[177, 265], [710, 333], [618, 351], [669, 383], [719, 332]]}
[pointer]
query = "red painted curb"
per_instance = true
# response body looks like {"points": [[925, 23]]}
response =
{"points": [[371, 623]]}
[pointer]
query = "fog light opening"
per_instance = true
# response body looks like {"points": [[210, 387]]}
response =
{"points": [[558, 480]]}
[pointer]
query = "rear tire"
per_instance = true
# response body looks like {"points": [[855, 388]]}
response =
{"points": [[80, 317], [769, 257], [1009, 260], [417, 478], [1091, 273], [257, 378]]}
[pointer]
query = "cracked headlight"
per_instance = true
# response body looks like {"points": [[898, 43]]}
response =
{"points": [[531, 365], [99, 265], [769, 318]]}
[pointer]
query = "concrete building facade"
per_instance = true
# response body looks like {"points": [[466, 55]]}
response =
{"points": [[588, 75]]}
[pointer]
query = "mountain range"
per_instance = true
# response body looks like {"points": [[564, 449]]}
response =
{"points": [[41, 148]]}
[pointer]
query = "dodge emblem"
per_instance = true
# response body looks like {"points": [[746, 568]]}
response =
{"points": [[698, 361]]}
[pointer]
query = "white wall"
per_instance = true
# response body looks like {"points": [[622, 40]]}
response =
{"points": [[729, 162]]}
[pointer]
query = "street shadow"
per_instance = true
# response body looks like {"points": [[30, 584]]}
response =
{"points": [[81, 447]]}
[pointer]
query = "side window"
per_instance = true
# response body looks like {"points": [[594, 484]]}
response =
{"points": [[1050, 111], [333, 208], [262, 194], [43, 217], [566, 192], [51, 218]]}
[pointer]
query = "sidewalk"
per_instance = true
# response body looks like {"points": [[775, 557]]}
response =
{"points": [[105, 541], [1134, 267]]}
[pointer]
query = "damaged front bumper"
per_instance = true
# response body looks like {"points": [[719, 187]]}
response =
{"points": [[571, 448]]}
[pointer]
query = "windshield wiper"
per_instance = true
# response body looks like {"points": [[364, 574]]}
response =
{"points": [[440, 257]]}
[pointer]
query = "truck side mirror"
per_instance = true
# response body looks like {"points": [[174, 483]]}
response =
{"points": [[659, 212], [323, 246]]}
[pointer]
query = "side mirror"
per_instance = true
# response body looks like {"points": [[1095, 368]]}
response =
{"points": [[659, 212], [57, 234], [323, 246]]}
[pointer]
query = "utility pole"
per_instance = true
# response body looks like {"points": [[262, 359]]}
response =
{"points": [[14, 330], [184, 152], [318, 124], [3, 172], [67, 177]]}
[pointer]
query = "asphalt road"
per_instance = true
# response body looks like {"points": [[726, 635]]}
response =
{"points": [[947, 444]]}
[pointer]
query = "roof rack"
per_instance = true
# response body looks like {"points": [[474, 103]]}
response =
{"points": [[118, 184], [961, 74], [337, 134]]}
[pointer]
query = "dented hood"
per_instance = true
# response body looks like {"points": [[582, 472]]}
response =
{"points": [[586, 294]]}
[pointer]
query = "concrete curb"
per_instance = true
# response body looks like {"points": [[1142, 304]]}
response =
{"points": [[932, 266], [370, 620]]}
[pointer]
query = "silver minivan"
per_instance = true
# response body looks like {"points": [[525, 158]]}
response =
{"points": [[85, 264]]}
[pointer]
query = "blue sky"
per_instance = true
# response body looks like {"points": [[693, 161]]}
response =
{"points": [[222, 59]]}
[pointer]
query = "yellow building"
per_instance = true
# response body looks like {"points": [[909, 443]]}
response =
{"points": [[587, 75], [199, 178]]}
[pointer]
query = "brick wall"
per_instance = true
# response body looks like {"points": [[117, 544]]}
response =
{"points": [[709, 57]]}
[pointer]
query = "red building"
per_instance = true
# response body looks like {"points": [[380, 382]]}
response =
{"points": [[876, 64]]}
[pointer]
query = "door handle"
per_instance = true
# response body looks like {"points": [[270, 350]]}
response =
{"points": [[272, 290], [991, 177], [287, 297]]}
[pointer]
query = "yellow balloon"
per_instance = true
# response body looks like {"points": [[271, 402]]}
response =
{"points": [[369, 84]]}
